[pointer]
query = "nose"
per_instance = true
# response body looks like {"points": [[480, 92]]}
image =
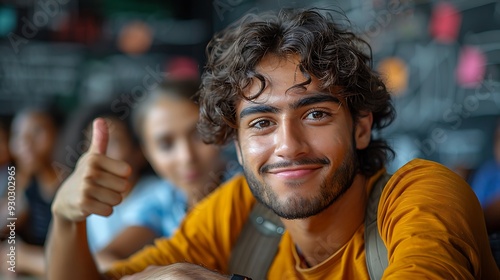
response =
{"points": [[23, 144], [186, 152], [290, 141]]}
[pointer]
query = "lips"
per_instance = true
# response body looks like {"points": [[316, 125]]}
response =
{"points": [[294, 172], [191, 176]]}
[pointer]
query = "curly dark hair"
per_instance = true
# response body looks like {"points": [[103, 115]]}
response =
{"points": [[327, 51]]}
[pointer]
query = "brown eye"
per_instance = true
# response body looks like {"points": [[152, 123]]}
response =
{"points": [[316, 115], [165, 144], [261, 124]]}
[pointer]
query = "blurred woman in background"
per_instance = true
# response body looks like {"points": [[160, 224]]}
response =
{"points": [[34, 133], [5, 165], [166, 124]]}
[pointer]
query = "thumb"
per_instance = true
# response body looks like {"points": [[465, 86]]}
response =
{"points": [[100, 135]]}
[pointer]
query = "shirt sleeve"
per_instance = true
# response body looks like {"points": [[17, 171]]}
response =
{"points": [[432, 225]]}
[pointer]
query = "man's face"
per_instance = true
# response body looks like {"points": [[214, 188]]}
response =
{"points": [[297, 146]]}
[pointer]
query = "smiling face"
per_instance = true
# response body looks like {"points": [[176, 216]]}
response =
{"points": [[175, 150], [297, 146]]}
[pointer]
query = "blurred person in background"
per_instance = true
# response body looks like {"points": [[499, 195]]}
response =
{"points": [[5, 163], [5, 157], [34, 133], [166, 123], [486, 185]]}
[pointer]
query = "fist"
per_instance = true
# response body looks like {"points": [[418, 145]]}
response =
{"points": [[97, 184]]}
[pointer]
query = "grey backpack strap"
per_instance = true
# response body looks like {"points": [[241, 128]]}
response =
{"points": [[376, 252], [257, 243]]}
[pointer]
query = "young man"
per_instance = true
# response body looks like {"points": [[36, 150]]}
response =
{"points": [[296, 93]]}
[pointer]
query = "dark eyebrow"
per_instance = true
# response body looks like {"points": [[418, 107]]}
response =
{"points": [[258, 109], [317, 98], [162, 136]]}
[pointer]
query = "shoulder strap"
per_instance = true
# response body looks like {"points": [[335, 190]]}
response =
{"points": [[257, 243], [375, 250]]}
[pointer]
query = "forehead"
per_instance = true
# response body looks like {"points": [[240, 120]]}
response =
{"points": [[283, 78], [169, 115], [32, 119], [278, 72]]}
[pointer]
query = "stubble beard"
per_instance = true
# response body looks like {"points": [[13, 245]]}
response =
{"points": [[332, 187]]}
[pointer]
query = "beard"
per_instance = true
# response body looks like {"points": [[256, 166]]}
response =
{"points": [[332, 187]]}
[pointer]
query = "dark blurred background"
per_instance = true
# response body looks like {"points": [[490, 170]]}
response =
{"points": [[441, 60]]}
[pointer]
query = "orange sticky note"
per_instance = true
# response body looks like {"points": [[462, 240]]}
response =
{"points": [[395, 73]]}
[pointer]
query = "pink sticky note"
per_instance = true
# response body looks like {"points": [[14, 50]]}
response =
{"points": [[445, 23], [471, 67]]}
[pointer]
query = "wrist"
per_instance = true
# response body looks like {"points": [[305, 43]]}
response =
{"points": [[61, 221]]}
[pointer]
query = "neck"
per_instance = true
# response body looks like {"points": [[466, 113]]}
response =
{"points": [[195, 195], [320, 236], [47, 177]]}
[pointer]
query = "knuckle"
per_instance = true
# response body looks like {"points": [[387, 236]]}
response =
{"points": [[125, 169], [85, 209], [111, 199], [93, 160], [82, 203], [91, 175], [106, 211], [88, 191], [117, 199], [122, 186]]}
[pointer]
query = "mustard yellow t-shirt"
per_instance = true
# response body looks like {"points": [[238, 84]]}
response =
{"points": [[428, 217]]}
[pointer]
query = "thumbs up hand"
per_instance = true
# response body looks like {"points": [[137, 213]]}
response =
{"points": [[96, 185]]}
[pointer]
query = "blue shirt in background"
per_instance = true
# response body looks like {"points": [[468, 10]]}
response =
{"points": [[486, 182], [153, 203]]}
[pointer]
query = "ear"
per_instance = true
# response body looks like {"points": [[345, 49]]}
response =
{"points": [[238, 151], [363, 130]]}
